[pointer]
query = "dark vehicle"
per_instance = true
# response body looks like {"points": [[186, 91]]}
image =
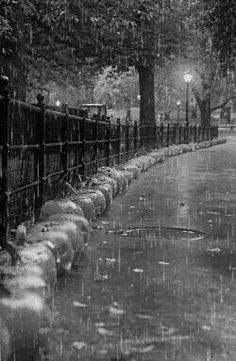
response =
{"points": [[94, 111]]}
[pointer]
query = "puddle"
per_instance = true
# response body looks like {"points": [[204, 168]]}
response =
{"points": [[161, 232]]}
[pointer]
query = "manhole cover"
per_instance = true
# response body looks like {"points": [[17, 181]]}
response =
{"points": [[161, 232]]}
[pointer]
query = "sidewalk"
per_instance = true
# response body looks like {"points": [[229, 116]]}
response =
{"points": [[158, 281], [106, 280]]}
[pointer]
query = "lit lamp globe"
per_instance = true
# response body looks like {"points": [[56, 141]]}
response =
{"points": [[58, 103], [187, 77]]}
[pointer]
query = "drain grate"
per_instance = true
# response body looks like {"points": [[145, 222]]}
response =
{"points": [[160, 231]]}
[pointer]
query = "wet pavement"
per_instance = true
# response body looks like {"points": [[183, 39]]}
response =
{"points": [[158, 281]]}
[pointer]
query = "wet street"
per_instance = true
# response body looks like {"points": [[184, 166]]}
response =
{"points": [[158, 280]]}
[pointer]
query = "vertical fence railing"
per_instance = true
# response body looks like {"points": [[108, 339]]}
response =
{"points": [[95, 137], [65, 140], [135, 136], [4, 136], [40, 158], [118, 140], [83, 140], [127, 140], [108, 142]]}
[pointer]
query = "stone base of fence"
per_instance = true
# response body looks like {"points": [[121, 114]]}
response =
{"points": [[51, 247]]}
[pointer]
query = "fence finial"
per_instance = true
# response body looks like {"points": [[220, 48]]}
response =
{"points": [[65, 108], [40, 99], [4, 82]]}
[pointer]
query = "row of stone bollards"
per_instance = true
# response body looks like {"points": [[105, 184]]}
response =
{"points": [[53, 246]]}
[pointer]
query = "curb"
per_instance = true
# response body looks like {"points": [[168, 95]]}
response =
{"points": [[51, 247]]}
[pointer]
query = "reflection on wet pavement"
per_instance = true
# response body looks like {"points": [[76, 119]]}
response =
{"points": [[151, 288]]}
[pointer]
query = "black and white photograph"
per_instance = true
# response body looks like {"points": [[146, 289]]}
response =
{"points": [[117, 180]]}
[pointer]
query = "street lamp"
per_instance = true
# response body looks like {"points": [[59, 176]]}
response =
{"points": [[178, 109], [187, 78]]}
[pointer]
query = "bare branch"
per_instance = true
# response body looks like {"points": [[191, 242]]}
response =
{"points": [[219, 106]]}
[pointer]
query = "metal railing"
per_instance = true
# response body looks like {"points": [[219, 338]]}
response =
{"points": [[39, 147]]}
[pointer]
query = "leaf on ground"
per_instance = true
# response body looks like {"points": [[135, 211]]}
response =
{"points": [[79, 304], [100, 278], [213, 250], [104, 332], [99, 324], [79, 345], [138, 270], [162, 263], [110, 261], [116, 311]]}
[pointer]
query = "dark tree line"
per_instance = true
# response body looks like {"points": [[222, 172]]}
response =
{"points": [[145, 34]]}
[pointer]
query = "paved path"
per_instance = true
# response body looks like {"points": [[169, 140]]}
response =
{"points": [[168, 290]]}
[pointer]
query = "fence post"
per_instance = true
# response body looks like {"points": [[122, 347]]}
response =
{"points": [[127, 141], [83, 144], [173, 138], [154, 132], [5, 143], [95, 137], [4, 108], [135, 136], [176, 133], [40, 134], [108, 142], [168, 135], [65, 138], [185, 134], [118, 140], [157, 137], [161, 134]]}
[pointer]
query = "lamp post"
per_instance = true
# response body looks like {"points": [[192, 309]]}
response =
{"points": [[178, 110], [187, 78]]}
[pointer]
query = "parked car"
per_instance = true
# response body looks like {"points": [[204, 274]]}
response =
{"points": [[94, 111]]}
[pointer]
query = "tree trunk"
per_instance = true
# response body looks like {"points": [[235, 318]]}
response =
{"points": [[147, 99], [205, 109]]}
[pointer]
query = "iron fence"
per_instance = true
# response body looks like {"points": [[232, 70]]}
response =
{"points": [[39, 146]]}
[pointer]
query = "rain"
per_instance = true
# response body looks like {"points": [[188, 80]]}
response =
{"points": [[167, 287], [117, 180]]}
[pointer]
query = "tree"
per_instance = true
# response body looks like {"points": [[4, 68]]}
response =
{"points": [[25, 36], [137, 33], [220, 19], [117, 90], [203, 61], [140, 33]]}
